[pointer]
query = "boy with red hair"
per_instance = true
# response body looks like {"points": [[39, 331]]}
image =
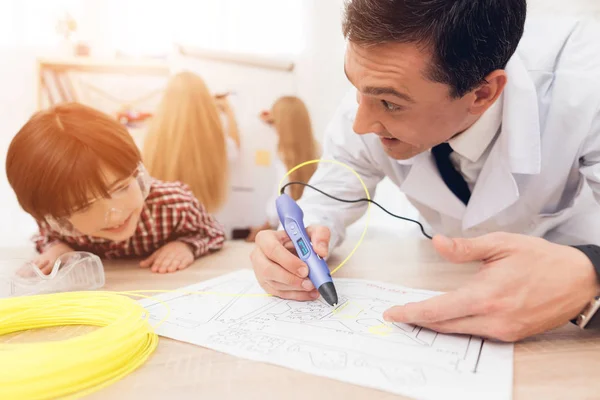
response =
{"points": [[79, 173]]}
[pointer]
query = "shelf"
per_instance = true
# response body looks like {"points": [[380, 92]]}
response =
{"points": [[107, 65]]}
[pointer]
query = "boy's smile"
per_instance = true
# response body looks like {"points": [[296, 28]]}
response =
{"points": [[122, 230]]}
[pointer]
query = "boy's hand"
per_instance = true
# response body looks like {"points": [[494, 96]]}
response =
{"points": [[46, 260], [171, 257]]}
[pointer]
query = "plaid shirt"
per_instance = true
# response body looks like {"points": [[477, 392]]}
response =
{"points": [[171, 212]]}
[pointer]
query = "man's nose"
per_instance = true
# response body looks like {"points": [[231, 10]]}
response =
{"points": [[365, 121]]}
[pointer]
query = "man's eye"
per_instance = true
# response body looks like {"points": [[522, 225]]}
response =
{"points": [[389, 106]]}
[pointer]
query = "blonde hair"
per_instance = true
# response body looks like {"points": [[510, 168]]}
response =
{"points": [[186, 142], [296, 141]]}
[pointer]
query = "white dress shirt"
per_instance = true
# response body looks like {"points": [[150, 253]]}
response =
{"points": [[472, 147]]}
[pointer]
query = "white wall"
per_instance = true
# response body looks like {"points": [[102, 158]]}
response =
{"points": [[320, 69], [587, 8], [17, 78]]}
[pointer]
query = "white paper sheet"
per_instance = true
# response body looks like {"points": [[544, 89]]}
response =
{"points": [[351, 343]]}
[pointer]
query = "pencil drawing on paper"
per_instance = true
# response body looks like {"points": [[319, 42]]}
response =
{"points": [[350, 342]]}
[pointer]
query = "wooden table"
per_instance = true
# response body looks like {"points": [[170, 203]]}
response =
{"points": [[562, 364]]}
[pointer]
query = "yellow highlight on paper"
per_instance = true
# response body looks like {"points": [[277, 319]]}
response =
{"points": [[381, 330]]}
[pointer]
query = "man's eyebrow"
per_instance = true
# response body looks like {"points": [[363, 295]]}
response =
{"points": [[378, 91]]}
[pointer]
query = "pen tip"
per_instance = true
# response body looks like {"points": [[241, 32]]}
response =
{"points": [[328, 292]]}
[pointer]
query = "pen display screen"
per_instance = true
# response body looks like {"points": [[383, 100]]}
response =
{"points": [[302, 245]]}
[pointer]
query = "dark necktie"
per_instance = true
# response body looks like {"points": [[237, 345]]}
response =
{"points": [[454, 180]]}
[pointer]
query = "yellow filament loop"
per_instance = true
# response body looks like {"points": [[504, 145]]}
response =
{"points": [[366, 192]]}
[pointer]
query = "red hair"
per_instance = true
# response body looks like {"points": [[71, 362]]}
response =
{"points": [[57, 161]]}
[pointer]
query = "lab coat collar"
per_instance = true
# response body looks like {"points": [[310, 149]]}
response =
{"points": [[516, 151], [408, 161], [521, 130], [425, 185]]}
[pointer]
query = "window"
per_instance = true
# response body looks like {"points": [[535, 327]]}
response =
{"points": [[261, 27], [151, 28]]}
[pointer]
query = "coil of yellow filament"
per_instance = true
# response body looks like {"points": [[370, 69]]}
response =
{"points": [[78, 366]]}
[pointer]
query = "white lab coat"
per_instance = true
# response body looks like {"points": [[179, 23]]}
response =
{"points": [[540, 178]]}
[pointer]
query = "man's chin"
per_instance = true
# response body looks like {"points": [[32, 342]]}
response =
{"points": [[400, 154]]}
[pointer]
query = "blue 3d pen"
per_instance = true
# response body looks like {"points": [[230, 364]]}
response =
{"points": [[291, 217]]}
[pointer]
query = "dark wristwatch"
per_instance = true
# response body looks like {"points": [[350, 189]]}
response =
{"points": [[589, 317]]}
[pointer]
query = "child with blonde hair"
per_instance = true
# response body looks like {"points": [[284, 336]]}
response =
{"points": [[192, 138], [296, 144]]}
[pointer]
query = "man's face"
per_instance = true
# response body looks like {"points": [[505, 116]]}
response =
{"points": [[397, 102]]}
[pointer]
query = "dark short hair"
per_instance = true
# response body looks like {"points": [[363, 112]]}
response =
{"points": [[468, 38]]}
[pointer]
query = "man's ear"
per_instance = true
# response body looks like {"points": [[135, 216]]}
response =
{"points": [[487, 93]]}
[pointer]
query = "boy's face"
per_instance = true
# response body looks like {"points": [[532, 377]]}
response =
{"points": [[114, 218]]}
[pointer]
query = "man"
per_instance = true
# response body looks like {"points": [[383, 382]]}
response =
{"points": [[492, 130]]}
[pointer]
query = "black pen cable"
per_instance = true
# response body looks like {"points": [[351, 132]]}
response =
{"points": [[357, 201]]}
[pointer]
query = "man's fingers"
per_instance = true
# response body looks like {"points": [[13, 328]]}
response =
{"points": [[482, 326], [319, 236], [269, 271], [291, 294], [472, 325], [270, 244], [306, 286], [458, 304], [482, 248]]}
